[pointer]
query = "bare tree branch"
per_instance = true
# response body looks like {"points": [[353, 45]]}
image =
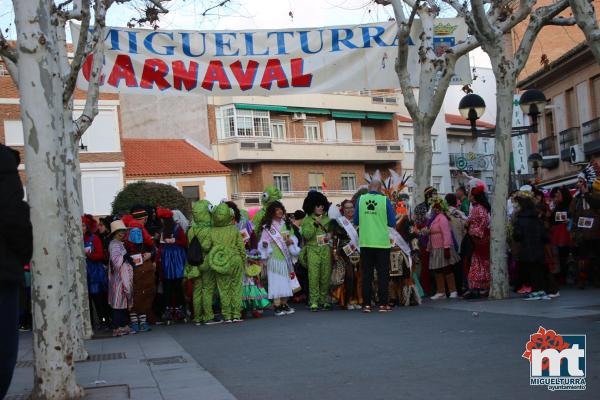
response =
{"points": [[10, 57], [221, 4], [540, 17], [79, 52], [481, 20], [404, 28], [586, 18], [561, 21], [97, 41]]}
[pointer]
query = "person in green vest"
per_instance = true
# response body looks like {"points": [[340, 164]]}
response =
{"points": [[317, 251], [374, 215], [463, 200]]}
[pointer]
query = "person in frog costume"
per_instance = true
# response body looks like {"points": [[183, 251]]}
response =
{"points": [[227, 258], [317, 252], [204, 278], [270, 195]]}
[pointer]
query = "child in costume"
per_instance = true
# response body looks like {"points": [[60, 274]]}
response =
{"points": [[227, 258], [254, 295], [97, 277], [144, 288], [278, 246], [204, 279], [270, 195], [120, 279], [173, 257], [317, 252]]}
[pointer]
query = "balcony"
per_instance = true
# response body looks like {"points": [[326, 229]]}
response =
{"points": [[254, 149], [471, 162], [548, 150], [568, 137], [591, 136]]}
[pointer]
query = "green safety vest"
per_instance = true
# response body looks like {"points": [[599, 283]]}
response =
{"points": [[372, 221]]}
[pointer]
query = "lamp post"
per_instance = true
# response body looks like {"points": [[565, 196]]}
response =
{"points": [[535, 162], [532, 102]]}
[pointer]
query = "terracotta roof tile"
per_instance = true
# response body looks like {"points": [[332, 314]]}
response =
{"points": [[163, 157], [459, 120], [8, 90]]}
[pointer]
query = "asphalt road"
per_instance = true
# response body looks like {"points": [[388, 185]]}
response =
{"points": [[424, 352]]}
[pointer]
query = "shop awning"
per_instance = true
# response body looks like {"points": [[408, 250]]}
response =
{"points": [[306, 110], [318, 111], [349, 114], [382, 116], [568, 181]]}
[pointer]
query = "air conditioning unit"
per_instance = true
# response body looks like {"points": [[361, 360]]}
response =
{"points": [[298, 116], [577, 154], [246, 169]]}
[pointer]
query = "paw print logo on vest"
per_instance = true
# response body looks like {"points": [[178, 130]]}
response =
{"points": [[371, 204]]}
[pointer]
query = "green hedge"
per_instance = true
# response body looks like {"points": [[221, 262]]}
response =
{"points": [[150, 193]]}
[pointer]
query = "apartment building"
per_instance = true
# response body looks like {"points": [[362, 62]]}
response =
{"points": [[569, 128], [467, 153], [325, 142], [101, 155]]}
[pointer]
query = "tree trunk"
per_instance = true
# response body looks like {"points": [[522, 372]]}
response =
{"points": [[423, 158], [40, 90], [585, 16], [505, 88]]}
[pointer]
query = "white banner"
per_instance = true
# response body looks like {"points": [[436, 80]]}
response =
{"points": [[519, 143], [264, 62]]}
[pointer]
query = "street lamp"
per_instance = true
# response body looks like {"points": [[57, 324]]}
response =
{"points": [[472, 107], [532, 103], [535, 161]]}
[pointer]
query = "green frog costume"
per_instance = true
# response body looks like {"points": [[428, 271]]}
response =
{"points": [[270, 195], [204, 277], [227, 258], [317, 252]]}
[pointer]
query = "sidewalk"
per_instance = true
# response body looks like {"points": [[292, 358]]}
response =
{"points": [[571, 304], [145, 366]]}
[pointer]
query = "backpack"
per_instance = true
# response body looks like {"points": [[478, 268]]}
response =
{"points": [[194, 252]]}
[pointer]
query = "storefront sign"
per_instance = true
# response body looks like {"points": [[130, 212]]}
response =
{"points": [[519, 143]]}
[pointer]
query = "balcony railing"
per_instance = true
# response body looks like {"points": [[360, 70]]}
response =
{"points": [[547, 146], [262, 142], [471, 161], [591, 136], [568, 137]]}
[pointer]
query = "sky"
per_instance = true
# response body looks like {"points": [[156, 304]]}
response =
{"points": [[251, 14]]}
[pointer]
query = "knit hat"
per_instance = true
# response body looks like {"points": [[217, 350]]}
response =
{"points": [[90, 222], [164, 213]]}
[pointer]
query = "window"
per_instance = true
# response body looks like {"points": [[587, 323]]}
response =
{"points": [[311, 131], [572, 111], [596, 96], [315, 181], [486, 143], [282, 182], [348, 181], [462, 148], [367, 133], [344, 131], [408, 146], [191, 193], [233, 122], [278, 129], [436, 182], [261, 123], [434, 144], [13, 133], [548, 124], [489, 181]]}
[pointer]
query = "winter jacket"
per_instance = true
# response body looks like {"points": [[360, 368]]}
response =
{"points": [[530, 235], [585, 206], [16, 236], [440, 233]]}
